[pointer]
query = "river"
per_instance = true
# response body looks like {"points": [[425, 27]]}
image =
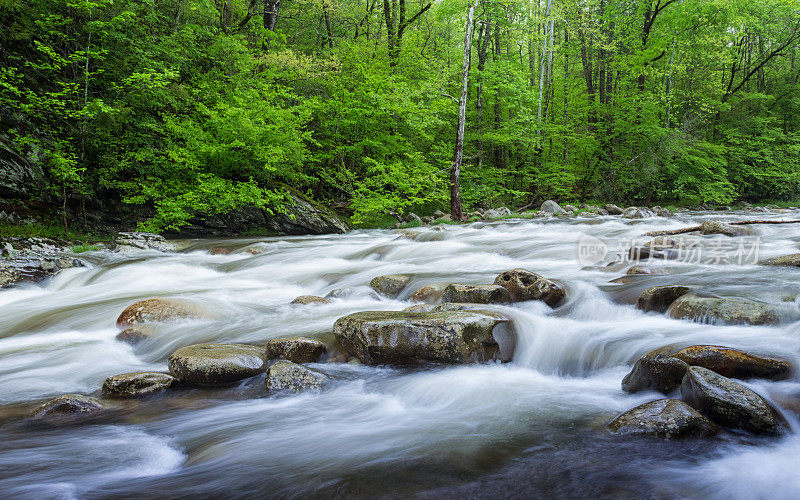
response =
{"points": [[530, 428]]}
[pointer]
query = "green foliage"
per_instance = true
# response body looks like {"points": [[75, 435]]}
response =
{"points": [[85, 247]]}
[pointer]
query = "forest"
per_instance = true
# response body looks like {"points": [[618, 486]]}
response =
{"points": [[197, 107]]}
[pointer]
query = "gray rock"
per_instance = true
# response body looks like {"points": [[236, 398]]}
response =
{"points": [[296, 349], [612, 209], [20, 174], [717, 227], [130, 385], [302, 215], [429, 294], [659, 298], [656, 371], [438, 214], [390, 285], [131, 241], [419, 308], [496, 213], [727, 310], [290, 377], [136, 333], [158, 310], [664, 418], [552, 207], [645, 270], [403, 338], [637, 213], [476, 294], [68, 405], [310, 299], [729, 403], [792, 260], [216, 364], [412, 217], [734, 363], [524, 285]]}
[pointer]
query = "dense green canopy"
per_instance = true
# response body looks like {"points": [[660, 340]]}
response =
{"points": [[199, 106]]}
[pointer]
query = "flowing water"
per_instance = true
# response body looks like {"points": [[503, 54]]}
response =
{"points": [[532, 427]]}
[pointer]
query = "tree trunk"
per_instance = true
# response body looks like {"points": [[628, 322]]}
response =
{"points": [[456, 210]]}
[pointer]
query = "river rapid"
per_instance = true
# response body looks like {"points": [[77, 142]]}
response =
{"points": [[530, 428]]}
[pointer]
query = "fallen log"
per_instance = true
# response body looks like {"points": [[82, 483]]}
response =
{"points": [[736, 223]]}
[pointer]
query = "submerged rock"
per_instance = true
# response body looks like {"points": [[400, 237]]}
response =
{"points": [[216, 364], [792, 260], [403, 338], [657, 371], [729, 403], [136, 333], [158, 310], [296, 349], [659, 298], [728, 310], [664, 418], [68, 404], [429, 294], [524, 285], [717, 227], [734, 363], [311, 299], [476, 294], [290, 377], [129, 385], [390, 285]]}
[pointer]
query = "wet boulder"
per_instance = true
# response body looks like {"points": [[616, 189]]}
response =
{"points": [[420, 308], [408, 338], [656, 371], [729, 403], [792, 260], [637, 213], [429, 294], [476, 294], [664, 418], [158, 310], [645, 270], [311, 299], [524, 285], [390, 285], [727, 310], [718, 227], [734, 363], [659, 298], [131, 385], [551, 207], [216, 364], [68, 405], [136, 333], [286, 376], [612, 209], [296, 349]]}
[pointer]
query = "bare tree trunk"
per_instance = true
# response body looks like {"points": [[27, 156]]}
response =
{"points": [[456, 210]]}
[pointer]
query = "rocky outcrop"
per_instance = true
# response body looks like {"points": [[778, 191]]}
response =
{"points": [[524, 285], [303, 215], [718, 227], [68, 405], [407, 338], [792, 260], [33, 259], [19, 175], [216, 364], [311, 299], [476, 294], [390, 285], [296, 349], [656, 371], [664, 418], [159, 310], [290, 377], [727, 310], [729, 403], [132, 385], [734, 363], [136, 241], [552, 207], [659, 298]]}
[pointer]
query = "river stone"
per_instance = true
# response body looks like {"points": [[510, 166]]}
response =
{"points": [[735, 363], [296, 349], [476, 294], [136, 333], [664, 418], [404, 338], [729, 403], [637, 213], [390, 285], [645, 270], [68, 404], [552, 207], [657, 371], [286, 376], [792, 260], [612, 209], [728, 310], [717, 227], [216, 364], [420, 308], [129, 385], [659, 298], [311, 299], [429, 294], [524, 285], [159, 310]]}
